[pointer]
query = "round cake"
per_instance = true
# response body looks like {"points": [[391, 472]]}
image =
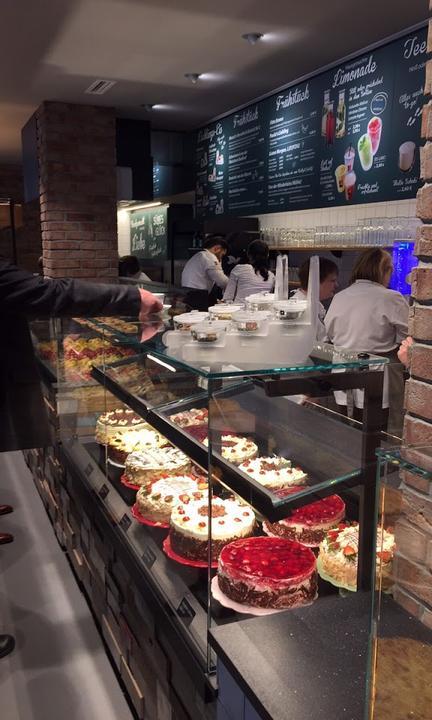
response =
{"points": [[117, 421], [143, 467], [123, 443], [309, 523], [236, 449], [268, 573], [189, 525], [274, 472], [155, 502], [190, 418], [338, 554]]}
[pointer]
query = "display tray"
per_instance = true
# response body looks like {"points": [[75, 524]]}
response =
{"points": [[169, 552]]}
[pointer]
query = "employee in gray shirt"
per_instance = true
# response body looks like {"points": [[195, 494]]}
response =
{"points": [[202, 275]]}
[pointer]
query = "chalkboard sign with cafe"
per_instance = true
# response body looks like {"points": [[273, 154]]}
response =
{"points": [[149, 233]]}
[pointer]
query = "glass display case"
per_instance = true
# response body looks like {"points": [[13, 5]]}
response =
{"points": [[182, 455], [402, 618]]}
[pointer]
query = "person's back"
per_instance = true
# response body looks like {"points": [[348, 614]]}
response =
{"points": [[253, 277]]}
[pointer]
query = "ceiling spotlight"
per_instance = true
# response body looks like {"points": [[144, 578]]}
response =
{"points": [[252, 38], [147, 107], [193, 77]]}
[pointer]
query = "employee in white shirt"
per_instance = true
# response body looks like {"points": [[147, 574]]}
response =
{"points": [[368, 317], [203, 275], [328, 276], [252, 277]]}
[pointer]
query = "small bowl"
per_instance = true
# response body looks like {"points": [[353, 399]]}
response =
{"points": [[209, 331], [249, 322], [224, 311], [290, 309], [186, 321], [260, 301]]}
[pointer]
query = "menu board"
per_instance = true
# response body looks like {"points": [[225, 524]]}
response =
{"points": [[349, 135], [149, 233]]}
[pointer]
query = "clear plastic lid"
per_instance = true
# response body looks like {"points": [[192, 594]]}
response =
{"points": [[190, 318], [209, 331], [249, 321], [225, 310]]}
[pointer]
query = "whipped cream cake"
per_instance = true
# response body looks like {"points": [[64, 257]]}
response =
{"points": [[338, 554], [236, 449], [123, 443], [189, 525], [274, 472], [268, 573], [146, 466], [155, 502], [117, 421], [307, 524]]}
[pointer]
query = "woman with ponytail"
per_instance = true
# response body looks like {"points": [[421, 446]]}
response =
{"points": [[253, 277]]}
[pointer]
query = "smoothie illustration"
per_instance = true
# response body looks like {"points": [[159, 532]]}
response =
{"points": [[374, 131], [349, 158], [340, 174], [406, 156], [349, 183], [364, 147]]}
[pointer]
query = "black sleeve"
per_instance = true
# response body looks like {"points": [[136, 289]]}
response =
{"points": [[26, 294]]}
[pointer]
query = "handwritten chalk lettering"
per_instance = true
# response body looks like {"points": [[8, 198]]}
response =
{"points": [[414, 47], [368, 188], [293, 97], [245, 117], [341, 76]]}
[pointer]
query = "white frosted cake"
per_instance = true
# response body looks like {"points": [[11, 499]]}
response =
{"points": [[155, 502], [236, 449], [190, 525], [274, 472], [123, 443], [146, 466], [116, 422]]}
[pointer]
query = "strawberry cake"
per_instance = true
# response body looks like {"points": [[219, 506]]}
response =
{"points": [[268, 573], [308, 524], [275, 472], [147, 466], [189, 525], [155, 502], [236, 449], [117, 421], [190, 418], [338, 554]]}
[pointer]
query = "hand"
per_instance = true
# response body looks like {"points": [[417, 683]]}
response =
{"points": [[149, 304], [150, 328], [404, 352]]}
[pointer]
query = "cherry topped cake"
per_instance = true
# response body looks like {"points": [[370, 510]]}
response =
{"points": [[117, 421], [268, 573], [156, 501], [236, 449], [338, 555], [190, 418], [307, 524], [274, 472], [190, 525]]}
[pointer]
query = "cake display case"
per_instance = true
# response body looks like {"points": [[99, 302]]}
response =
{"points": [[195, 493]]}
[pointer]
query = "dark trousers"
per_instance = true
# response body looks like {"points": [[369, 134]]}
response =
{"points": [[201, 299]]}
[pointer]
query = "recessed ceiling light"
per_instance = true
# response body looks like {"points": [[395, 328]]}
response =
{"points": [[193, 77], [252, 37], [147, 107]]}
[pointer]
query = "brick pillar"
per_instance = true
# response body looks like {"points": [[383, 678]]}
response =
{"points": [[413, 530], [77, 167]]}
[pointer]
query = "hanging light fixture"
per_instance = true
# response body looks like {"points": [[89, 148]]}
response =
{"points": [[193, 77], [252, 37]]}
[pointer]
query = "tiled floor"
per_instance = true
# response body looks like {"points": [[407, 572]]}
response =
{"points": [[59, 670]]}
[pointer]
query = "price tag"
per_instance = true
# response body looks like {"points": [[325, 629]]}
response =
{"points": [[89, 469], [148, 557], [125, 523], [186, 612], [103, 492]]}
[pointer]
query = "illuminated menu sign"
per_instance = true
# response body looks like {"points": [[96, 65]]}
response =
{"points": [[349, 135]]}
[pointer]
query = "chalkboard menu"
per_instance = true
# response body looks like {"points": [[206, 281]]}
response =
{"points": [[349, 135], [149, 233]]}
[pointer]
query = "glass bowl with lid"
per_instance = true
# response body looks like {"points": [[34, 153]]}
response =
{"points": [[186, 321], [249, 323], [260, 301], [209, 331], [291, 309], [224, 311]]}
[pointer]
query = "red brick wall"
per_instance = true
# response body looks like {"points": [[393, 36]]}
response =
{"points": [[77, 161], [413, 530]]}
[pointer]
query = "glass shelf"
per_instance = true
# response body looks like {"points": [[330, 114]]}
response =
{"points": [[400, 457]]}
